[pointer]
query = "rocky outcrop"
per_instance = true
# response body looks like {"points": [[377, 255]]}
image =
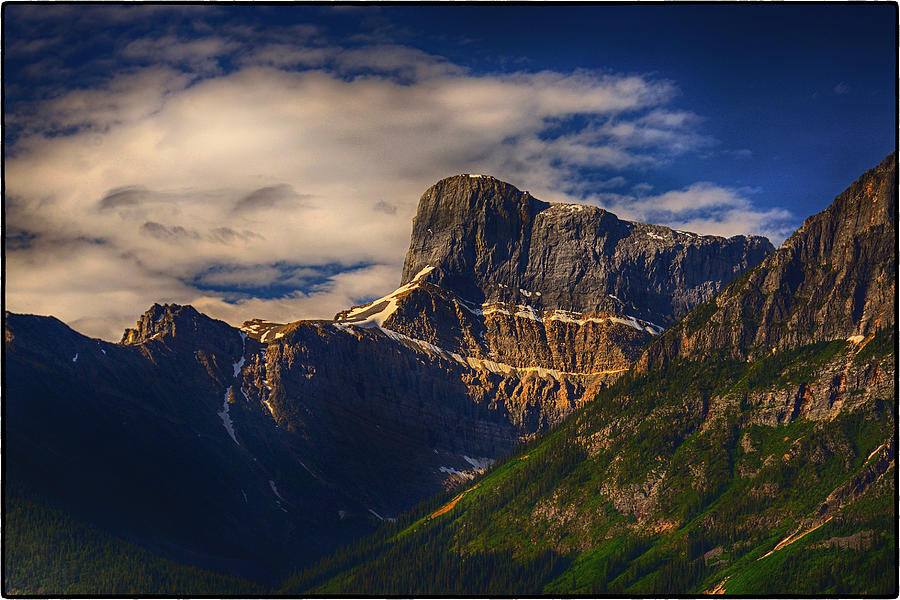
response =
{"points": [[832, 279], [516, 335], [491, 242], [841, 384], [173, 331]]}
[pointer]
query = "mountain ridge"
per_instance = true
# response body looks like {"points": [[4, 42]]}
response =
{"points": [[831, 279], [491, 242]]}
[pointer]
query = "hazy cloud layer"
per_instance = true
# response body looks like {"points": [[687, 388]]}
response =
{"points": [[703, 208], [306, 152]]}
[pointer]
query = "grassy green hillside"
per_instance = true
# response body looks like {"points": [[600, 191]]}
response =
{"points": [[686, 480]]}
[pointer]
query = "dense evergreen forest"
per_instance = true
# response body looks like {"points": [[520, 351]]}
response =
{"points": [[48, 553]]}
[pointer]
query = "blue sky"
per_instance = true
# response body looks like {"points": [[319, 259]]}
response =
{"points": [[267, 161]]}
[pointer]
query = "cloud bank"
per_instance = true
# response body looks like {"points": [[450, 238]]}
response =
{"points": [[283, 187]]}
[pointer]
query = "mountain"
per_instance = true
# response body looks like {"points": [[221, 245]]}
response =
{"points": [[746, 453], [491, 242], [250, 451], [153, 440], [834, 278]]}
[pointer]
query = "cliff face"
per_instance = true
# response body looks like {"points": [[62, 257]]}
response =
{"points": [[511, 313], [834, 278], [491, 242]]}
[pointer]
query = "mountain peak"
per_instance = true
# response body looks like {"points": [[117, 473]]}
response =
{"points": [[175, 321], [492, 242]]}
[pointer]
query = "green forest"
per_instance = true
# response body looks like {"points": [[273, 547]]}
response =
{"points": [[48, 553]]}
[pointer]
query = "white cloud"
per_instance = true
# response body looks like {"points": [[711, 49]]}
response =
{"points": [[138, 190], [199, 54], [702, 207]]}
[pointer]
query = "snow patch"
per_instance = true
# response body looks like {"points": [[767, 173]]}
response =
{"points": [[528, 312], [269, 407], [638, 324], [226, 418], [655, 236], [275, 491], [376, 312], [422, 273], [479, 463], [75, 358], [495, 309], [308, 470], [472, 308], [566, 207], [380, 518], [525, 292], [450, 471], [240, 364], [103, 351]]}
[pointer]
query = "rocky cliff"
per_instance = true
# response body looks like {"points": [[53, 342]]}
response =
{"points": [[834, 278], [511, 314], [491, 242]]}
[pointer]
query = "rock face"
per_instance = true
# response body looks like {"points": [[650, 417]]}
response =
{"points": [[834, 278], [491, 242]]}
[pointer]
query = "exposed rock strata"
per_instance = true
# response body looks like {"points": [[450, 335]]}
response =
{"points": [[832, 279], [494, 243]]}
